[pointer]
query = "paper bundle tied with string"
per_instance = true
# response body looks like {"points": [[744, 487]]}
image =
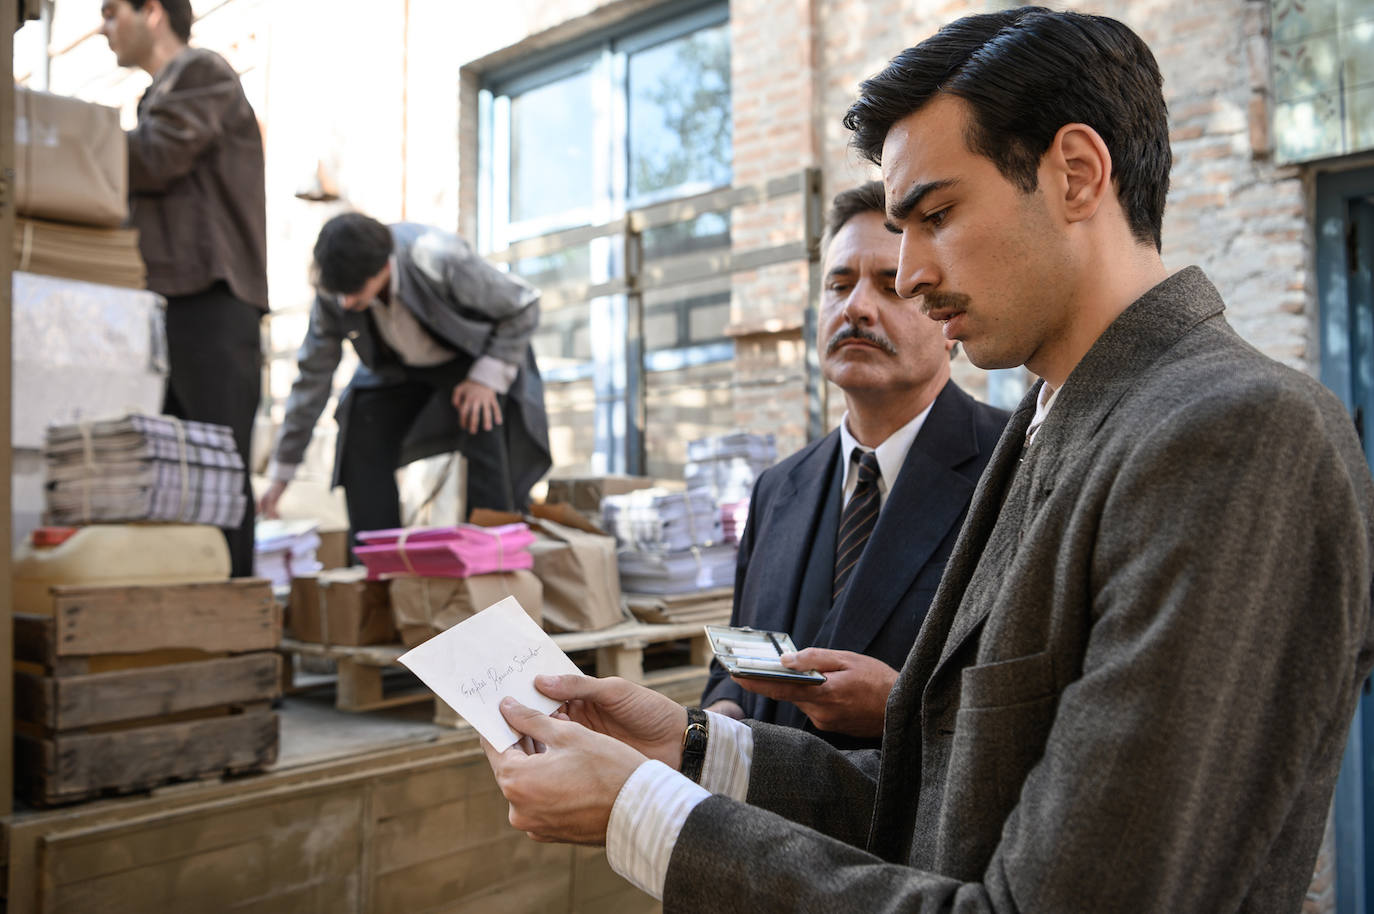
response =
{"points": [[445, 552], [143, 468], [423, 607], [575, 562]]}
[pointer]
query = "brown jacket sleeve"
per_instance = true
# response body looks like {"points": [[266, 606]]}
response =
{"points": [[179, 121]]}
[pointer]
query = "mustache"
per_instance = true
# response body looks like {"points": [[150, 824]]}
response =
{"points": [[855, 332], [953, 301]]}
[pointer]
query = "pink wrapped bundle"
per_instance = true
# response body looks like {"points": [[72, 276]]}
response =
{"points": [[446, 552]]}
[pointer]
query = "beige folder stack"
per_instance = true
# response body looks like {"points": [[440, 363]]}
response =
{"points": [[71, 192], [107, 256], [703, 606]]}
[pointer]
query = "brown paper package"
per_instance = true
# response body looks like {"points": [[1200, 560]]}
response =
{"points": [[423, 607], [71, 160], [576, 563], [340, 607]]}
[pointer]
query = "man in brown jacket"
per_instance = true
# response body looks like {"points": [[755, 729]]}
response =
{"points": [[196, 197]]}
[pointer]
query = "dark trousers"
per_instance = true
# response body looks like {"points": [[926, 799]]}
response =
{"points": [[215, 354], [379, 419]]}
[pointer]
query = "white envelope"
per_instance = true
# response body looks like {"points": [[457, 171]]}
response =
{"points": [[486, 657]]}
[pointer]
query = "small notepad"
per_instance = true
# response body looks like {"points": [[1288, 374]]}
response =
{"points": [[486, 657]]}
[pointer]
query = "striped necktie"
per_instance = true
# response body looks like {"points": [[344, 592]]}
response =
{"points": [[858, 520]]}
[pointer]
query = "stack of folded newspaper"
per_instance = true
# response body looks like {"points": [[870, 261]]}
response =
{"points": [[669, 542], [696, 569], [658, 520], [727, 465], [285, 549], [139, 468], [733, 516]]}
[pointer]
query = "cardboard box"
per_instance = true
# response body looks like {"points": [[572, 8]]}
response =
{"points": [[333, 549], [423, 607], [341, 607], [70, 160]]}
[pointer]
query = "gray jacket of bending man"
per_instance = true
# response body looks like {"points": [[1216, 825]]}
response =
{"points": [[463, 302], [1134, 685]]}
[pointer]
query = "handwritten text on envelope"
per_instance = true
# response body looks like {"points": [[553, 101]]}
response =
{"points": [[486, 657]]}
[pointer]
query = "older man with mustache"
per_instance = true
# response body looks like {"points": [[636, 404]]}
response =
{"points": [[847, 538]]}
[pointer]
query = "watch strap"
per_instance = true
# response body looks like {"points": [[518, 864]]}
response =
{"points": [[694, 739]]}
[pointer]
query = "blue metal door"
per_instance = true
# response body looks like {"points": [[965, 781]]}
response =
{"points": [[1345, 264]]}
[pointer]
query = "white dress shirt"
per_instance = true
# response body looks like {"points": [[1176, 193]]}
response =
{"points": [[891, 455], [654, 803], [1043, 402]]}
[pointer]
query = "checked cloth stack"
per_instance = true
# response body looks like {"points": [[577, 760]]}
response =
{"points": [[143, 468]]}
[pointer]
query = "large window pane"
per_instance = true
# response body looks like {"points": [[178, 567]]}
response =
{"points": [[551, 164], [679, 113]]}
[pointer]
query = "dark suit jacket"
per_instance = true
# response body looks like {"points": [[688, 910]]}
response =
{"points": [[462, 301], [1133, 688], [790, 535]]}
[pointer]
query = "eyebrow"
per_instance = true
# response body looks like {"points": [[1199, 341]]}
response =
{"points": [[846, 270], [902, 208]]}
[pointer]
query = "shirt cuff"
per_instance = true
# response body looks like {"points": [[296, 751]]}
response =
{"points": [[645, 822], [489, 371], [729, 756], [281, 472]]}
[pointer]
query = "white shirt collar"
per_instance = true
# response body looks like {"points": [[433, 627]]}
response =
{"points": [[891, 453], [1043, 401]]}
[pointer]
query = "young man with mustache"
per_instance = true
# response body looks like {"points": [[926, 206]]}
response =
{"points": [[847, 538], [1134, 684]]}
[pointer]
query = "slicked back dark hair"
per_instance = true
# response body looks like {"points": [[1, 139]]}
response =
{"points": [[866, 198], [179, 16], [1025, 73], [352, 248]]}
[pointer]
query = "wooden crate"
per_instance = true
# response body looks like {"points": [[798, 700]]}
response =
{"points": [[121, 689]]}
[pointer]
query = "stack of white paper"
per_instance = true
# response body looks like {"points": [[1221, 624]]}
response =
{"points": [[657, 520], [727, 465], [284, 549], [702, 568]]}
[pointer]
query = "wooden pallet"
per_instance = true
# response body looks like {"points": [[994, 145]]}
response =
{"points": [[615, 651], [122, 689]]}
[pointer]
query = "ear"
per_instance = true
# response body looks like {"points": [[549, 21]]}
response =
{"points": [[153, 13], [1081, 169]]}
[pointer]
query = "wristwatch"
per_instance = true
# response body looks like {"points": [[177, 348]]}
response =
{"points": [[694, 744]]}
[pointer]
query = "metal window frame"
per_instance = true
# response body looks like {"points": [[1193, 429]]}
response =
{"points": [[615, 308]]}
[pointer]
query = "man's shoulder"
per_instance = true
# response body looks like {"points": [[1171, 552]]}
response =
{"points": [[817, 450], [201, 67], [1215, 379], [428, 247]]}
